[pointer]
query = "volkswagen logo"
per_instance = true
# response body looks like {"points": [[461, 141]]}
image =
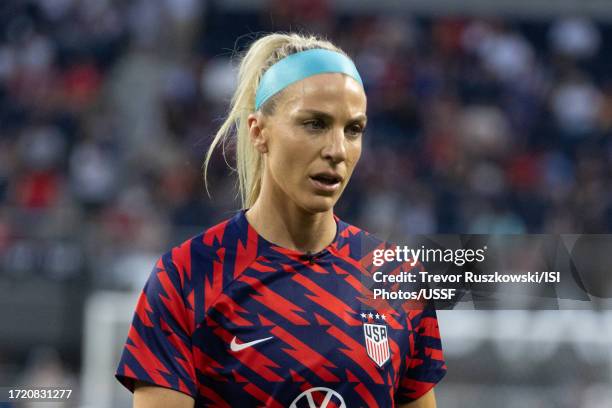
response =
{"points": [[310, 397]]}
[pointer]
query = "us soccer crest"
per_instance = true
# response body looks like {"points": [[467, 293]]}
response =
{"points": [[376, 338]]}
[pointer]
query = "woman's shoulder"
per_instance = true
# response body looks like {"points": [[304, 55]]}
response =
{"points": [[208, 246], [359, 239], [359, 243]]}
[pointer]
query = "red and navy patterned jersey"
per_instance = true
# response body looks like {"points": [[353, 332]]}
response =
{"points": [[236, 321]]}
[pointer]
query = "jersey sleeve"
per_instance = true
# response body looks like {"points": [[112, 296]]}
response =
{"points": [[425, 366], [158, 348]]}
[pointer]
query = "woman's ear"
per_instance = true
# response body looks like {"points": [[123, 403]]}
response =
{"points": [[256, 124]]}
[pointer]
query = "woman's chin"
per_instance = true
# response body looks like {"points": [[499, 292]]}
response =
{"points": [[319, 204]]}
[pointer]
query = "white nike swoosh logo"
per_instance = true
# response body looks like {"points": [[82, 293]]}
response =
{"points": [[238, 347]]}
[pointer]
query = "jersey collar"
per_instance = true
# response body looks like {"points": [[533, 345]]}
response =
{"points": [[264, 246]]}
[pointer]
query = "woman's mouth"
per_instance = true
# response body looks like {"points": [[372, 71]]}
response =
{"points": [[327, 182]]}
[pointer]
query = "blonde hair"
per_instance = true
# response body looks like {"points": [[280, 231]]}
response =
{"points": [[260, 56]]}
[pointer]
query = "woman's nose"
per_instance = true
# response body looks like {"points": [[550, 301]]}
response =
{"points": [[335, 146]]}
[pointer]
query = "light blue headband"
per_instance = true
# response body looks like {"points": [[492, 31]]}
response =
{"points": [[298, 66]]}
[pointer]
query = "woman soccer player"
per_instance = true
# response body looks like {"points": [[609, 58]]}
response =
{"points": [[270, 307]]}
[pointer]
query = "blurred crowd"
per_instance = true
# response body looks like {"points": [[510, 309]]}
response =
{"points": [[107, 108]]}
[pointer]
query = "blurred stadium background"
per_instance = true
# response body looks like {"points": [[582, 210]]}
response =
{"points": [[484, 117]]}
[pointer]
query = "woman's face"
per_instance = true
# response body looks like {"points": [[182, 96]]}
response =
{"points": [[312, 141]]}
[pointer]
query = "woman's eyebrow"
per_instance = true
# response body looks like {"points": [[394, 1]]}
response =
{"points": [[359, 118]]}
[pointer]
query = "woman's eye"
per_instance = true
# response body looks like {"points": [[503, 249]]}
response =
{"points": [[355, 130], [314, 124]]}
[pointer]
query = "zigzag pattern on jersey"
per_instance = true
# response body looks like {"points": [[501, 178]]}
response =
{"points": [[191, 289]]}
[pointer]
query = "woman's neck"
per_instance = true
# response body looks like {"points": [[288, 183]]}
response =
{"points": [[291, 227]]}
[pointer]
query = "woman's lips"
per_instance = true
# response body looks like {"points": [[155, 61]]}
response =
{"points": [[323, 186]]}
